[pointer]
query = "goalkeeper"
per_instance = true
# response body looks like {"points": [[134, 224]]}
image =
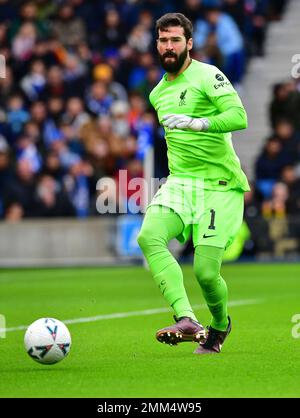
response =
{"points": [[204, 193]]}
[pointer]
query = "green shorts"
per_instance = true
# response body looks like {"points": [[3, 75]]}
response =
{"points": [[211, 217]]}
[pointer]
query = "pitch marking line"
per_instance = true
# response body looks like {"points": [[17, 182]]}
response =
{"points": [[116, 315]]}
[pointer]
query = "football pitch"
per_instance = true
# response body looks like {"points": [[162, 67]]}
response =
{"points": [[114, 314]]}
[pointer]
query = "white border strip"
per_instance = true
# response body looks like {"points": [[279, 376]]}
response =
{"points": [[116, 315]]}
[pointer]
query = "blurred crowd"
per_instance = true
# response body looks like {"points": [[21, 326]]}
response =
{"points": [[277, 169], [74, 101]]}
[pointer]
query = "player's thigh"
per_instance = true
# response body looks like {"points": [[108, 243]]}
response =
{"points": [[175, 194], [160, 225], [222, 218]]}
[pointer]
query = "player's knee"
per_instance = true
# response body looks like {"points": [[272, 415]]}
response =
{"points": [[206, 274], [142, 239], [148, 237]]}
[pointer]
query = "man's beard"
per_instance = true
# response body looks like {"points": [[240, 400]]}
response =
{"points": [[175, 65]]}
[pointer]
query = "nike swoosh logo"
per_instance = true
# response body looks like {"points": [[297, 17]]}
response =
{"points": [[208, 236]]}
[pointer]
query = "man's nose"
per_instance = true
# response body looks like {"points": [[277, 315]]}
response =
{"points": [[169, 45]]}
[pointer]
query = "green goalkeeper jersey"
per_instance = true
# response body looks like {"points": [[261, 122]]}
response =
{"points": [[203, 91]]}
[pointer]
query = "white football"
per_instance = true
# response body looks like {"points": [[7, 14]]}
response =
{"points": [[47, 340]]}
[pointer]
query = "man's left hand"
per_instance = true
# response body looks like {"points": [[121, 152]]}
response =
{"points": [[185, 122]]}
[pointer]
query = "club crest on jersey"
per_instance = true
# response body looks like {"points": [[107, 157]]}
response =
{"points": [[182, 101]]}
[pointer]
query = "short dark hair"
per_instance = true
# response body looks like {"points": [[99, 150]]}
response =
{"points": [[175, 19]]}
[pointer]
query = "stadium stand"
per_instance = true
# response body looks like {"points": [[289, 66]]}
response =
{"points": [[75, 97]]}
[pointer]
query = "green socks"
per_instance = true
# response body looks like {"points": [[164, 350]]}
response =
{"points": [[207, 264], [157, 230]]}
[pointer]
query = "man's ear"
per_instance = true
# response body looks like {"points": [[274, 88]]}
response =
{"points": [[190, 44]]}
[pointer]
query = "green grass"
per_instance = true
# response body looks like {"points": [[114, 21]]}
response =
{"points": [[121, 358]]}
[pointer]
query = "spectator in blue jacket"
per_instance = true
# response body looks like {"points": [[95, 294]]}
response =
{"points": [[228, 38]]}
